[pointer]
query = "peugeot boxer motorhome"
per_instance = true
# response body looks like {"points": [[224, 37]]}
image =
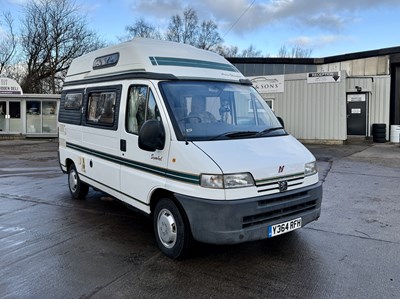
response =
{"points": [[181, 135]]}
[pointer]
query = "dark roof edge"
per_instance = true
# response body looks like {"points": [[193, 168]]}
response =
{"points": [[360, 55], [277, 60], [323, 60]]}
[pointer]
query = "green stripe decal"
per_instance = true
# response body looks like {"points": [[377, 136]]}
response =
{"points": [[182, 62], [169, 174], [153, 61]]}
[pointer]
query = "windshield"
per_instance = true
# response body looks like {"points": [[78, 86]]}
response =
{"points": [[217, 110]]}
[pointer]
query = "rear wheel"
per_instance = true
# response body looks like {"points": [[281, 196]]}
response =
{"points": [[171, 229], [78, 189]]}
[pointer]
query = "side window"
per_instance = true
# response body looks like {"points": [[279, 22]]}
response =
{"points": [[73, 101], [71, 104], [101, 107], [141, 106]]}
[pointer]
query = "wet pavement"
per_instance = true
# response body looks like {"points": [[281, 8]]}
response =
{"points": [[54, 247]]}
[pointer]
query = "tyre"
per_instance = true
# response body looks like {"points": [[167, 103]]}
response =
{"points": [[78, 189], [379, 135], [379, 139], [171, 229], [378, 126], [379, 131]]}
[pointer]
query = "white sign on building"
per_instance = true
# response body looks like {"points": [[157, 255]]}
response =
{"points": [[9, 86], [323, 77], [269, 84], [356, 97]]}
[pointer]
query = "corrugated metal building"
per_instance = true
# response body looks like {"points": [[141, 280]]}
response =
{"points": [[330, 99]]}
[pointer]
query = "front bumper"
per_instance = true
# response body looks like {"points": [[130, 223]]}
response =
{"points": [[238, 221]]}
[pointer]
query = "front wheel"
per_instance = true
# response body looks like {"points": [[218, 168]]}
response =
{"points": [[171, 229], [78, 189]]}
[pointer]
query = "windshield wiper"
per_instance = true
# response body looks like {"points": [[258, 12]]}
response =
{"points": [[266, 131], [235, 134]]}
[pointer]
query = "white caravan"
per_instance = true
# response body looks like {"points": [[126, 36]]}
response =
{"points": [[181, 135]]}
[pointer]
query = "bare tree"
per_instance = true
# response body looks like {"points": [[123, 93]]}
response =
{"points": [[233, 51], [186, 29], [295, 52], [53, 34], [183, 29], [141, 28], [209, 38], [227, 51], [251, 51], [8, 42], [191, 28]]}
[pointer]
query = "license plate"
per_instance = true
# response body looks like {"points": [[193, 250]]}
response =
{"points": [[282, 228]]}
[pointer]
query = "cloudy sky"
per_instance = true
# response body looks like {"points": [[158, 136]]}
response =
{"points": [[325, 26]]}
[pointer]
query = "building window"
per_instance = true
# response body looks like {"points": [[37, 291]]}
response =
{"points": [[270, 103], [49, 111], [41, 116], [33, 117]]}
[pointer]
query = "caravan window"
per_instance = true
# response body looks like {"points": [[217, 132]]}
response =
{"points": [[141, 106], [101, 107], [73, 101]]}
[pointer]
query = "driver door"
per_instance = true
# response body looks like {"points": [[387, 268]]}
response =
{"points": [[142, 171]]}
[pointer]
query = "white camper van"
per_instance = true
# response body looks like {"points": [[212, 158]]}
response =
{"points": [[179, 134]]}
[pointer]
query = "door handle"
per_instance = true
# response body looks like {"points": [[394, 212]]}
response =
{"points": [[122, 145]]}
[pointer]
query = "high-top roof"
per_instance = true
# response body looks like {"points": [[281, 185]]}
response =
{"points": [[147, 58]]}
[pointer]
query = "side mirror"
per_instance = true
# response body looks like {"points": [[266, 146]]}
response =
{"points": [[152, 136], [281, 121]]}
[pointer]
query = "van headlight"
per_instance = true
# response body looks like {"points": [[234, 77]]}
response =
{"points": [[310, 168], [227, 181]]}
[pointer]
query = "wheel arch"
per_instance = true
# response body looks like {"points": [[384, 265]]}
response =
{"points": [[68, 163], [160, 193]]}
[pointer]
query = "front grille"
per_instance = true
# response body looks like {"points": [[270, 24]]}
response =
{"points": [[281, 207], [287, 199], [272, 185]]}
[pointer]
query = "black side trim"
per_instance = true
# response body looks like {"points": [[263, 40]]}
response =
{"points": [[131, 75], [118, 191]]}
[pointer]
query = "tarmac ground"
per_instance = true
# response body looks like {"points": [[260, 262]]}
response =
{"points": [[54, 247]]}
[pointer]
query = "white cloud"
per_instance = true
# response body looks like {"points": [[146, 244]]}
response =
{"points": [[331, 15], [329, 22], [320, 41], [158, 8]]}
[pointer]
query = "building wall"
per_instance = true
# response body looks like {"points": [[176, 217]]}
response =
{"points": [[317, 112], [312, 112], [371, 66], [378, 89], [266, 69]]}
